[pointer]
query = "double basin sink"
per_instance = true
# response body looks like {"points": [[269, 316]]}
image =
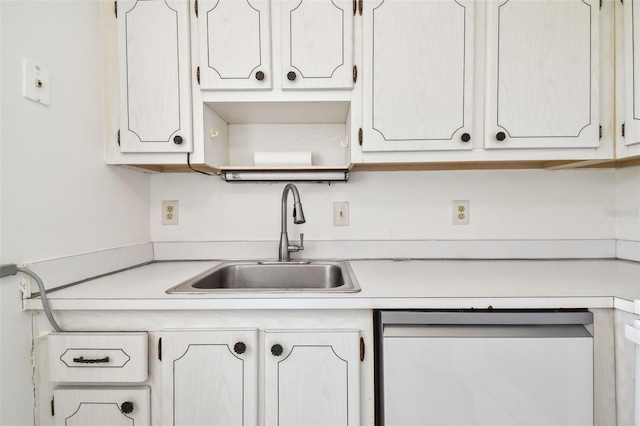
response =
{"points": [[271, 276]]}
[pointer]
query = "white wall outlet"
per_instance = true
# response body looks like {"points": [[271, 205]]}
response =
{"points": [[341, 214], [170, 212], [460, 212]]}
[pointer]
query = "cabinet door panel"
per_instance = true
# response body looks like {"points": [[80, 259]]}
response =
{"points": [[419, 75], [85, 406], [235, 44], [317, 44], [155, 90], [206, 381], [631, 23], [542, 71], [314, 381]]}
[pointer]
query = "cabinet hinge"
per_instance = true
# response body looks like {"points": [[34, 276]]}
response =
{"points": [[118, 137], [115, 8], [53, 408], [360, 6], [600, 132], [195, 7], [623, 130], [160, 349], [198, 75], [355, 74], [361, 349], [360, 136]]}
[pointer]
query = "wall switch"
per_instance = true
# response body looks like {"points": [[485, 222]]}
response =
{"points": [[36, 84], [341, 214], [460, 212], [170, 212]]}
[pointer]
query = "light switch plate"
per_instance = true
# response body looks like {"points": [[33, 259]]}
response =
{"points": [[36, 84]]}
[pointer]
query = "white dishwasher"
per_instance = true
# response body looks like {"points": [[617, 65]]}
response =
{"points": [[484, 368]]}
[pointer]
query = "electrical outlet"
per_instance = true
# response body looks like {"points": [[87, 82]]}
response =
{"points": [[170, 212], [460, 212], [341, 214]]}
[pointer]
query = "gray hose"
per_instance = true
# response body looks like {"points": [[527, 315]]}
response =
{"points": [[43, 296]]}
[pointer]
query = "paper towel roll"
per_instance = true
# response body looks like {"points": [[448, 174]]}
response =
{"points": [[282, 158]]}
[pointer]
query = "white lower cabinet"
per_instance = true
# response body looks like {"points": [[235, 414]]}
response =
{"points": [[212, 377], [102, 406]]}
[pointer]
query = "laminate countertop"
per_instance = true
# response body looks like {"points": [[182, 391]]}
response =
{"points": [[385, 284]]}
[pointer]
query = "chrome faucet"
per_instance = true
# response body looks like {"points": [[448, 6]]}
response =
{"points": [[285, 249]]}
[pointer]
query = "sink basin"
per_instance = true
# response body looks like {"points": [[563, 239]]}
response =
{"points": [[268, 276]]}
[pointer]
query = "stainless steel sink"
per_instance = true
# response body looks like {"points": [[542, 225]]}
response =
{"points": [[268, 276]]}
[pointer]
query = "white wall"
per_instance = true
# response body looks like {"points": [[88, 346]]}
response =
{"points": [[524, 204], [57, 196], [628, 204]]}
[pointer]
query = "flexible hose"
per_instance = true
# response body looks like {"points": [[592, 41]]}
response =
{"points": [[43, 296]]}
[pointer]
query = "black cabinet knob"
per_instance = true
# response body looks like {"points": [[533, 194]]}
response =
{"points": [[260, 75], [126, 407], [291, 75], [466, 137], [276, 350], [501, 136], [239, 348], [177, 140]]}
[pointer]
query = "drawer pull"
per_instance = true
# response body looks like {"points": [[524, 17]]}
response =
{"points": [[126, 407], [81, 360]]}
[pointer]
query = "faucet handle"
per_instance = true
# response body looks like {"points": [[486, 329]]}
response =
{"points": [[301, 241]]}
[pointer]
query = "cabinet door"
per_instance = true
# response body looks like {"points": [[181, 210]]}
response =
{"points": [[235, 44], [631, 63], [114, 406], [418, 87], [155, 89], [317, 44], [312, 378], [542, 74], [210, 377]]}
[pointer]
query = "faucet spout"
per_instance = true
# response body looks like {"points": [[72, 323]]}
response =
{"points": [[285, 249]]}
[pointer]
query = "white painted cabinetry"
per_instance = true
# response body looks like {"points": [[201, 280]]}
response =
{"points": [[211, 377], [154, 71], [312, 378], [542, 74], [628, 78], [418, 75], [114, 406], [312, 40], [86, 367]]}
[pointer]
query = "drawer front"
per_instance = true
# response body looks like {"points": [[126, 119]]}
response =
{"points": [[89, 406], [98, 357]]}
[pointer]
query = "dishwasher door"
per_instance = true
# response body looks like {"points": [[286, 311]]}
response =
{"points": [[484, 368]]}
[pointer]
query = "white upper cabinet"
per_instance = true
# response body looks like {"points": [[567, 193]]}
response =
{"points": [[418, 75], [235, 37], [631, 84], [155, 85], [317, 44], [309, 43], [542, 74]]}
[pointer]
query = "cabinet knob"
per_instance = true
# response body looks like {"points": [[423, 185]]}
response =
{"points": [[126, 407], [276, 350], [291, 75], [501, 136], [466, 137], [239, 348], [260, 76], [177, 140]]}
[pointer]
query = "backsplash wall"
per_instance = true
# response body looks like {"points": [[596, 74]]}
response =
{"points": [[504, 204]]}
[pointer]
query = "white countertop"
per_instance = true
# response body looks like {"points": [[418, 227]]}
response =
{"points": [[385, 284]]}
